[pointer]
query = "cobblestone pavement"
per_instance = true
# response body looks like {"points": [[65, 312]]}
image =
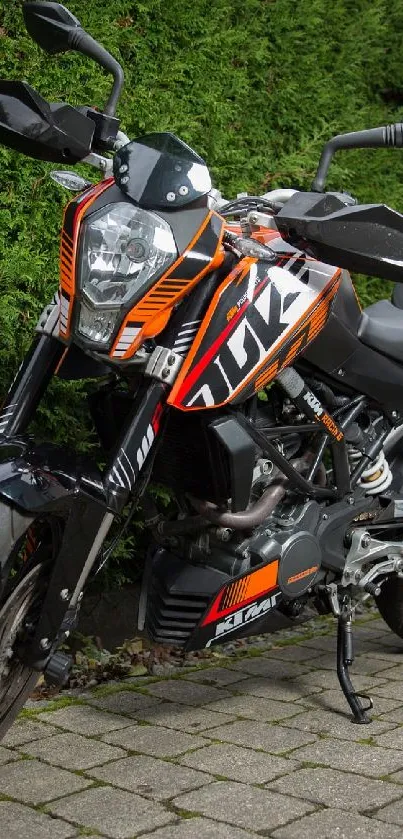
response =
{"points": [[259, 745]]}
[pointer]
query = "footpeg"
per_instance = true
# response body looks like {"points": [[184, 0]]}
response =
{"points": [[58, 669]]}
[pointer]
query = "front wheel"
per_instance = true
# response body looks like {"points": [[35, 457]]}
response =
{"points": [[30, 562]]}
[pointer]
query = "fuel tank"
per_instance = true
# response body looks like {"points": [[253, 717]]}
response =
{"points": [[261, 318]]}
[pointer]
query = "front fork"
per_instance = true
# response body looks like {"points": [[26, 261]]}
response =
{"points": [[89, 514]]}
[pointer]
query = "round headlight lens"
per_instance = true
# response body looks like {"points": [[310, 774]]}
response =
{"points": [[123, 250]]}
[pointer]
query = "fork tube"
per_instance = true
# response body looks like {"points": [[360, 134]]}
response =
{"points": [[29, 384], [141, 431]]}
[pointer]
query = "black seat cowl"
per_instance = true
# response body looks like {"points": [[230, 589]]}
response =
{"points": [[381, 327]]}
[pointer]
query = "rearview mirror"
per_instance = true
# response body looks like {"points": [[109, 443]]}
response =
{"points": [[55, 29], [51, 25]]}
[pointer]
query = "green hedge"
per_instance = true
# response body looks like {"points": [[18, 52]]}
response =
{"points": [[256, 86]]}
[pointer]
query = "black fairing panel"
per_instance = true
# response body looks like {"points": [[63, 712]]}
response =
{"points": [[366, 238], [338, 352], [57, 133]]}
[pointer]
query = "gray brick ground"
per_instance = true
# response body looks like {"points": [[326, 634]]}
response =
{"points": [[188, 693], [190, 720], [238, 764], [394, 673], [150, 777], [364, 759], [118, 814], [19, 822], [336, 824], [336, 725], [391, 739], [255, 707], [83, 719], [33, 782], [334, 700], [393, 813], [199, 829], [72, 751], [364, 665], [285, 690], [125, 702], [243, 806], [391, 690], [293, 653], [23, 731], [260, 735], [215, 676], [151, 740], [342, 790], [6, 755], [328, 679], [270, 668]]}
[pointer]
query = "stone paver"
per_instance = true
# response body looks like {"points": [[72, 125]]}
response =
{"points": [[259, 735], [336, 824], [255, 707], [150, 777], [270, 668], [19, 822], [155, 741], [238, 764], [83, 720], [125, 702], [33, 782], [285, 690], [262, 746], [72, 751], [23, 731], [243, 806], [188, 693], [6, 755], [215, 676], [336, 725], [332, 788], [118, 814], [190, 720], [354, 757], [198, 829], [392, 813]]}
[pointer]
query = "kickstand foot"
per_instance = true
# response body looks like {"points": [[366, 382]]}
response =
{"points": [[345, 657]]}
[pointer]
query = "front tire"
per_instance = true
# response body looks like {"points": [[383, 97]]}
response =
{"points": [[29, 565]]}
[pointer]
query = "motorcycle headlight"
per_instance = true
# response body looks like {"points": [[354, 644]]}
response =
{"points": [[123, 251]]}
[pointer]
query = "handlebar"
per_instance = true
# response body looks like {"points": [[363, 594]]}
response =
{"points": [[387, 136]]}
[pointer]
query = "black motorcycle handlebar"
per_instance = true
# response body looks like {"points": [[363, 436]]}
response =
{"points": [[383, 137]]}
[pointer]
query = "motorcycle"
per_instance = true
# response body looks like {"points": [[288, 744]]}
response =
{"points": [[232, 364]]}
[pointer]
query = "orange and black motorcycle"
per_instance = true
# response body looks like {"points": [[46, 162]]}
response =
{"points": [[236, 368]]}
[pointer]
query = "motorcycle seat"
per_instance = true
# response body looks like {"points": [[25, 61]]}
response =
{"points": [[381, 327]]}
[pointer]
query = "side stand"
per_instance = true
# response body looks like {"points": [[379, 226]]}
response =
{"points": [[345, 657]]}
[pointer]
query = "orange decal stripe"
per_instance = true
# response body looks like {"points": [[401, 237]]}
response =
{"points": [[241, 592]]}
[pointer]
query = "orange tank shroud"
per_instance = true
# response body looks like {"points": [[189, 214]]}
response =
{"points": [[260, 319], [151, 313]]}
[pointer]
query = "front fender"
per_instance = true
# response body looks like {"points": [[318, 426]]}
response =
{"points": [[45, 478]]}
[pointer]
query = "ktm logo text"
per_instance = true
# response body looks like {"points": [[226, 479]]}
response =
{"points": [[246, 615]]}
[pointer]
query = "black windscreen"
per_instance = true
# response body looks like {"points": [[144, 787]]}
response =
{"points": [[159, 171]]}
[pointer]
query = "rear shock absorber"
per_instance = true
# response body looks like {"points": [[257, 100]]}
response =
{"points": [[377, 477]]}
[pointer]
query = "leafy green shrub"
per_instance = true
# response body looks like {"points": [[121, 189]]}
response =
{"points": [[256, 86]]}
